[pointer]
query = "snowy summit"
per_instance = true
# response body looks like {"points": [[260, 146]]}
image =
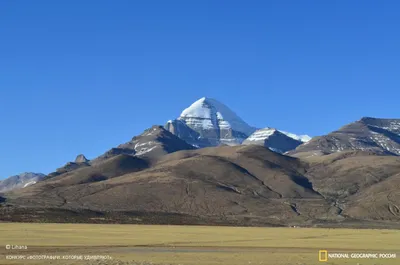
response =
{"points": [[208, 122], [209, 113]]}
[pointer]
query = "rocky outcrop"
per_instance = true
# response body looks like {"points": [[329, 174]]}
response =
{"points": [[81, 159]]}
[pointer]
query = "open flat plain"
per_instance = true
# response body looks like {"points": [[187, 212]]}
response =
{"points": [[189, 245]]}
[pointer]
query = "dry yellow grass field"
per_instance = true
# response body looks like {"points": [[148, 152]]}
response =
{"points": [[192, 245]]}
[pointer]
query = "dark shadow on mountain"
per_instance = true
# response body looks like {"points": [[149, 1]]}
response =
{"points": [[113, 167], [95, 178], [302, 181]]}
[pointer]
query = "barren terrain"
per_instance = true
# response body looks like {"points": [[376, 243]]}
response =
{"points": [[192, 245]]}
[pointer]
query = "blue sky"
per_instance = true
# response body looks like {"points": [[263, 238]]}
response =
{"points": [[84, 76]]}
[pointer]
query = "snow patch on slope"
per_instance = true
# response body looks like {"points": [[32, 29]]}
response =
{"points": [[261, 134], [265, 133], [29, 184], [145, 150], [301, 138]]}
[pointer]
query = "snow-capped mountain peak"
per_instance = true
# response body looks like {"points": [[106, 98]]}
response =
{"points": [[208, 122], [209, 113]]}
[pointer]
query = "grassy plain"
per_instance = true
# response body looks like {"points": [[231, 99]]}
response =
{"points": [[193, 245]]}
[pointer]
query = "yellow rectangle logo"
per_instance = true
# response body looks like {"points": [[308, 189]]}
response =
{"points": [[323, 255]]}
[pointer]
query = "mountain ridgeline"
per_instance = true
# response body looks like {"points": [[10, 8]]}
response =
{"points": [[367, 134], [210, 167]]}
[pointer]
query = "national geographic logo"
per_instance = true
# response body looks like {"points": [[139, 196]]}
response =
{"points": [[323, 255]]}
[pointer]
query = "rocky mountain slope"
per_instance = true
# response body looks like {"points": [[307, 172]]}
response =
{"points": [[246, 185], [367, 134], [80, 162], [20, 181], [363, 184], [142, 151], [150, 145], [225, 183]]}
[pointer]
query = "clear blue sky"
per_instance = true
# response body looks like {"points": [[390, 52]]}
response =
{"points": [[84, 76]]}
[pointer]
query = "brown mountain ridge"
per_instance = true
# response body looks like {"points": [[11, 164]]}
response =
{"points": [[241, 185], [348, 177]]}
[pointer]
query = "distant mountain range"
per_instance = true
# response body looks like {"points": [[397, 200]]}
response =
{"points": [[208, 166], [20, 181]]}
